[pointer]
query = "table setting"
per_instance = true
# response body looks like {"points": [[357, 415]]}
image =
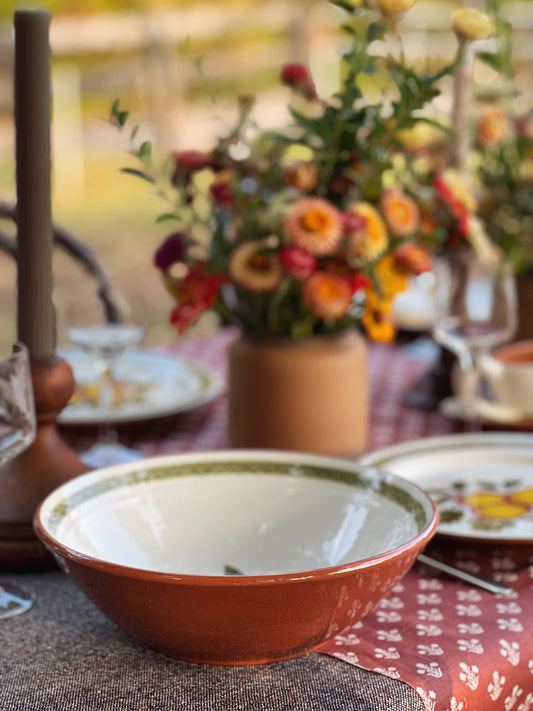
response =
{"points": [[278, 528]]}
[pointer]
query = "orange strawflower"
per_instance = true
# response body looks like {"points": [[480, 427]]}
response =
{"points": [[328, 296], [491, 126], [412, 258], [300, 175], [314, 224], [401, 213], [254, 267]]}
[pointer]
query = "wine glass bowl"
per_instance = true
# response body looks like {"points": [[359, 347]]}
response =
{"points": [[475, 310], [89, 328], [17, 432], [17, 409]]}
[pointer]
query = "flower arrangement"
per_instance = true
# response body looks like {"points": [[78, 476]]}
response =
{"points": [[502, 153], [316, 227]]}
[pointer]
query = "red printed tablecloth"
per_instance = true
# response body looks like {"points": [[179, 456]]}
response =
{"points": [[461, 648]]}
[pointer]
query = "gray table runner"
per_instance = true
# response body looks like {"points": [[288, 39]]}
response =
{"points": [[65, 654]]}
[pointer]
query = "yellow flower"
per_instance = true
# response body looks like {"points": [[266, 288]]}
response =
{"points": [[469, 25], [421, 137], [401, 212], [315, 225], [392, 277], [394, 7], [328, 296], [255, 268], [370, 240], [377, 318]]}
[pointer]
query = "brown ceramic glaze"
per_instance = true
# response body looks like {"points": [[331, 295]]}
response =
{"points": [[237, 620], [309, 395], [217, 618]]}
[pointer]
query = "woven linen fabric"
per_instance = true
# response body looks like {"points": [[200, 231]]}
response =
{"points": [[64, 654]]}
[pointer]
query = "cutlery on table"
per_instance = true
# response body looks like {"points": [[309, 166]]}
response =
{"points": [[480, 581]]}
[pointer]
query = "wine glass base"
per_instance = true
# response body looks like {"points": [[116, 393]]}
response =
{"points": [[106, 455], [14, 601]]}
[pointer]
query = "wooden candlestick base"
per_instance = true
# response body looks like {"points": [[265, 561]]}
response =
{"points": [[28, 478]]}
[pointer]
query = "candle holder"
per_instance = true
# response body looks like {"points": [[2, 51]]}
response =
{"points": [[26, 480]]}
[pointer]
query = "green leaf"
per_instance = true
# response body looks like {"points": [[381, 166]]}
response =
{"points": [[145, 151], [138, 174], [165, 217], [231, 570]]}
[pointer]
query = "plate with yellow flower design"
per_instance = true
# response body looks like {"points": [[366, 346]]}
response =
{"points": [[482, 483], [147, 385]]}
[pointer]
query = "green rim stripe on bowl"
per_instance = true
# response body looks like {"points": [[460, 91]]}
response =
{"points": [[140, 476]]}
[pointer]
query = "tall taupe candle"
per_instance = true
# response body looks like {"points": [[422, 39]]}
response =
{"points": [[35, 313]]}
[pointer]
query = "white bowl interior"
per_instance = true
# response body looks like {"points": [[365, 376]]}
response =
{"points": [[254, 514]]}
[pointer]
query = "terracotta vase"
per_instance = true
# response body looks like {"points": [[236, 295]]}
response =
{"points": [[309, 395]]}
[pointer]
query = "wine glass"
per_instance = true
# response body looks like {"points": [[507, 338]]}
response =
{"points": [[17, 431], [475, 310], [104, 341]]}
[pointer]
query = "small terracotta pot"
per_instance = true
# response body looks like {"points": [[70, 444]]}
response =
{"points": [[308, 395]]}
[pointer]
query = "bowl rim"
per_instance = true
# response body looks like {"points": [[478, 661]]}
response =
{"points": [[62, 551]]}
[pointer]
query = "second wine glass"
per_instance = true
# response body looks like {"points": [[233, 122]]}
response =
{"points": [[475, 310], [105, 340], [17, 432]]}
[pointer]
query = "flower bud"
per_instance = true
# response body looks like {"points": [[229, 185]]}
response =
{"points": [[469, 25], [389, 8], [297, 77]]}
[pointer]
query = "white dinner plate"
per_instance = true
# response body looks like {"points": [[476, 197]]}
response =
{"points": [[148, 385], [482, 483]]}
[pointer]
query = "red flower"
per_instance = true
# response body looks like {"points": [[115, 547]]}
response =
{"points": [[297, 77], [196, 294], [188, 162], [297, 263], [222, 194], [454, 203], [221, 189], [353, 223], [192, 160], [170, 251], [359, 282], [354, 278]]}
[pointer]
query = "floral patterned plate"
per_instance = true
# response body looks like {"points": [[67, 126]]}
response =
{"points": [[147, 385], [482, 483]]}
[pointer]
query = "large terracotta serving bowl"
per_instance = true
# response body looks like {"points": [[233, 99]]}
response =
{"points": [[236, 557]]}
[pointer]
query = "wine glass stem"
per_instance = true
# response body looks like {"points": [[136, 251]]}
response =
{"points": [[471, 394], [106, 433]]}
